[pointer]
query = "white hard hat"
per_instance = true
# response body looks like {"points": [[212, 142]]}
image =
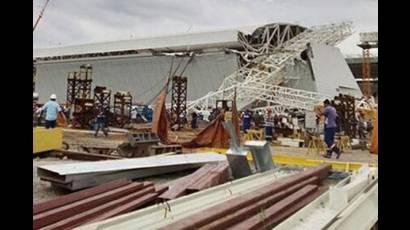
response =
{"points": [[53, 96]]}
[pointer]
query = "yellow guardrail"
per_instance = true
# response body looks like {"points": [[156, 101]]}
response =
{"points": [[47, 139], [302, 161]]}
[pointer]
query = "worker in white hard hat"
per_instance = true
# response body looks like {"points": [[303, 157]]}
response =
{"points": [[51, 108]]}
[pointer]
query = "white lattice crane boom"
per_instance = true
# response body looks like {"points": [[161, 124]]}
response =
{"points": [[259, 80]]}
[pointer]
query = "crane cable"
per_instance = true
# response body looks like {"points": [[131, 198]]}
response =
{"points": [[41, 15]]}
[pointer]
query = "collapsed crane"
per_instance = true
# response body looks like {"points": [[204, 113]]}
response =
{"points": [[262, 78]]}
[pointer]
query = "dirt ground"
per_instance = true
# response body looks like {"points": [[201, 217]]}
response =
{"points": [[42, 190]]}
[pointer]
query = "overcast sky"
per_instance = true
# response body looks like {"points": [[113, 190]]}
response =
{"points": [[87, 21]]}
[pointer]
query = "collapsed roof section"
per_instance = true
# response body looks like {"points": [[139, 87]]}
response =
{"points": [[276, 33]]}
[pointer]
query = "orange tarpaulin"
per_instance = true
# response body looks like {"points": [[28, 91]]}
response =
{"points": [[214, 135], [61, 120], [374, 147], [160, 122]]}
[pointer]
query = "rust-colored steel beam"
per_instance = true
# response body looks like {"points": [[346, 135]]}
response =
{"points": [[86, 216], [289, 211], [263, 219], [253, 209], [179, 188], [220, 210], [146, 199], [217, 175], [54, 215], [70, 198]]}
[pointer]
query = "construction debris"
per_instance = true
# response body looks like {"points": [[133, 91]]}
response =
{"points": [[82, 175], [228, 204], [207, 176], [94, 204], [246, 209]]}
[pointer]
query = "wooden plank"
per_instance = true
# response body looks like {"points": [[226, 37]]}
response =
{"points": [[54, 215], [86, 215], [70, 198]]}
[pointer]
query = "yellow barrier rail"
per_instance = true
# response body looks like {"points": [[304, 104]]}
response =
{"points": [[47, 139], [302, 161]]}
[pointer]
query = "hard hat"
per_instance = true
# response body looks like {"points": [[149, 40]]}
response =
{"points": [[53, 96], [35, 95]]}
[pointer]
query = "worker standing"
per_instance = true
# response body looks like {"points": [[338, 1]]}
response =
{"points": [[52, 108], [246, 120], [330, 129], [101, 123]]}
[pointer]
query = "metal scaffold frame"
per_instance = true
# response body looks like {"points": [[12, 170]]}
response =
{"points": [[122, 108], [178, 100], [260, 78]]}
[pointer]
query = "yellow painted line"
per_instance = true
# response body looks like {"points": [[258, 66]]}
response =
{"points": [[47, 139], [302, 161]]}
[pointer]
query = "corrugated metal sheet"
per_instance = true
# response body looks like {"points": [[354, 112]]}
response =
{"points": [[206, 39], [142, 76]]}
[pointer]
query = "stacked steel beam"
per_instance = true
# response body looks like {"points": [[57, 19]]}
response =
{"points": [[262, 209], [205, 177], [94, 204]]}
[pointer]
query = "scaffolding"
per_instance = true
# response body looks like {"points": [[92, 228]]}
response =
{"points": [[73, 88], [79, 96], [83, 113], [178, 101], [102, 98], [85, 81], [122, 108]]}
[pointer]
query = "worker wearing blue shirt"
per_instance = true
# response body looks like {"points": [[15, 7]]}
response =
{"points": [[52, 108]]}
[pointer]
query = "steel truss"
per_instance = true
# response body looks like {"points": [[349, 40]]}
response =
{"points": [[260, 78]]}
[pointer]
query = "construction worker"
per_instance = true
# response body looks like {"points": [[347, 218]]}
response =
{"points": [[246, 120], [330, 129], [52, 108], [194, 121], [101, 123]]}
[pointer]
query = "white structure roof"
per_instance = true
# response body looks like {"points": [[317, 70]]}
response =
{"points": [[349, 47], [213, 39]]}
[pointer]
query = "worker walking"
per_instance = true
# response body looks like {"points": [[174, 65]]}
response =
{"points": [[51, 108], [101, 123], [330, 129]]}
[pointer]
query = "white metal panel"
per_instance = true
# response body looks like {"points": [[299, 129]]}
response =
{"points": [[135, 163], [331, 73], [185, 41], [142, 76]]}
